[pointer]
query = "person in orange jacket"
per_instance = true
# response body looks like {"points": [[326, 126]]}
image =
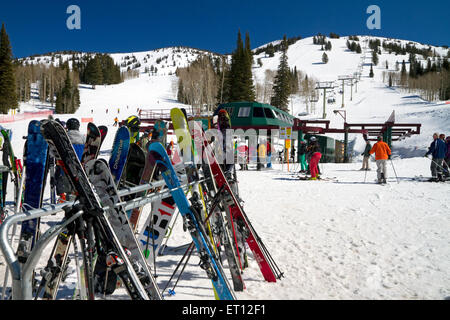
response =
{"points": [[382, 154]]}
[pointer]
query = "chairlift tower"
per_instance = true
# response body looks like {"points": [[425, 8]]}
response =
{"points": [[324, 85], [344, 78]]}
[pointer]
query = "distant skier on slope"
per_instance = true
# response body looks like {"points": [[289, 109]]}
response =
{"points": [[437, 150], [382, 154]]}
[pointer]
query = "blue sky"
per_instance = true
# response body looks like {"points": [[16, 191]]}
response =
{"points": [[39, 26]]}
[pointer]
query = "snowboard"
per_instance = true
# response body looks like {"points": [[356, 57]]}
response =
{"points": [[62, 149], [35, 162], [103, 132], [101, 178], [132, 176], [208, 260], [119, 153], [92, 145]]}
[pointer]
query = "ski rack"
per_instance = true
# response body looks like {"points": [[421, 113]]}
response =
{"points": [[22, 279]]}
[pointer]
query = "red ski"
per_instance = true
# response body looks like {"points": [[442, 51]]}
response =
{"points": [[261, 254]]}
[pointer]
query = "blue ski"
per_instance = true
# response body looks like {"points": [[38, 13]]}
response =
{"points": [[208, 260], [119, 153]]}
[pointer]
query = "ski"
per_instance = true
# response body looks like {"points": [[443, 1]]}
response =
{"points": [[185, 141], [261, 254], [208, 259], [61, 148]]}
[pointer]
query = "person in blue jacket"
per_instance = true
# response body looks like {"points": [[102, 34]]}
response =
{"points": [[437, 149]]}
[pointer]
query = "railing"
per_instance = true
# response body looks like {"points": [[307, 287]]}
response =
{"points": [[24, 116]]}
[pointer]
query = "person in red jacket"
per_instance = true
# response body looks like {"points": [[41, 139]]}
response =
{"points": [[382, 154]]}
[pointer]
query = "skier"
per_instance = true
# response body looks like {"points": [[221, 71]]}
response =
{"points": [[366, 154], [269, 154], [313, 145], [302, 153], [438, 150], [63, 186], [133, 122], [314, 161], [116, 122], [382, 154]]}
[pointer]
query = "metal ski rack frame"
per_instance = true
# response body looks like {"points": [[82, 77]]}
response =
{"points": [[21, 279]]}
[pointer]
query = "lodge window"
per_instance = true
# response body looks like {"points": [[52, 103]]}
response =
{"points": [[258, 112], [244, 112]]}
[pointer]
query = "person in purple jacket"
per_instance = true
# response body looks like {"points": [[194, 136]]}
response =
{"points": [[437, 149]]}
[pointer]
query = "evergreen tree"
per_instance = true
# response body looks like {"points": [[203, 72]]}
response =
{"points": [[93, 72], [270, 50], [403, 74], [281, 87], [371, 71], [249, 88], [390, 80], [239, 80], [324, 58], [358, 48], [68, 98], [375, 57], [8, 96]]}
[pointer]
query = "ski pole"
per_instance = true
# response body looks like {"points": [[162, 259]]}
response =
{"points": [[172, 291], [436, 163], [178, 265], [392, 163]]}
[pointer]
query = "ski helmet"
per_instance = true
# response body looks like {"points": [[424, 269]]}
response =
{"points": [[313, 139], [73, 124], [133, 122]]}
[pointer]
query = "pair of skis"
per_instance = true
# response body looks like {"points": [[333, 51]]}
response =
{"points": [[236, 213], [109, 240]]}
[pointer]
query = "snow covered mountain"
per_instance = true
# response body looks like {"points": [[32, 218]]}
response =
{"points": [[369, 100]]}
